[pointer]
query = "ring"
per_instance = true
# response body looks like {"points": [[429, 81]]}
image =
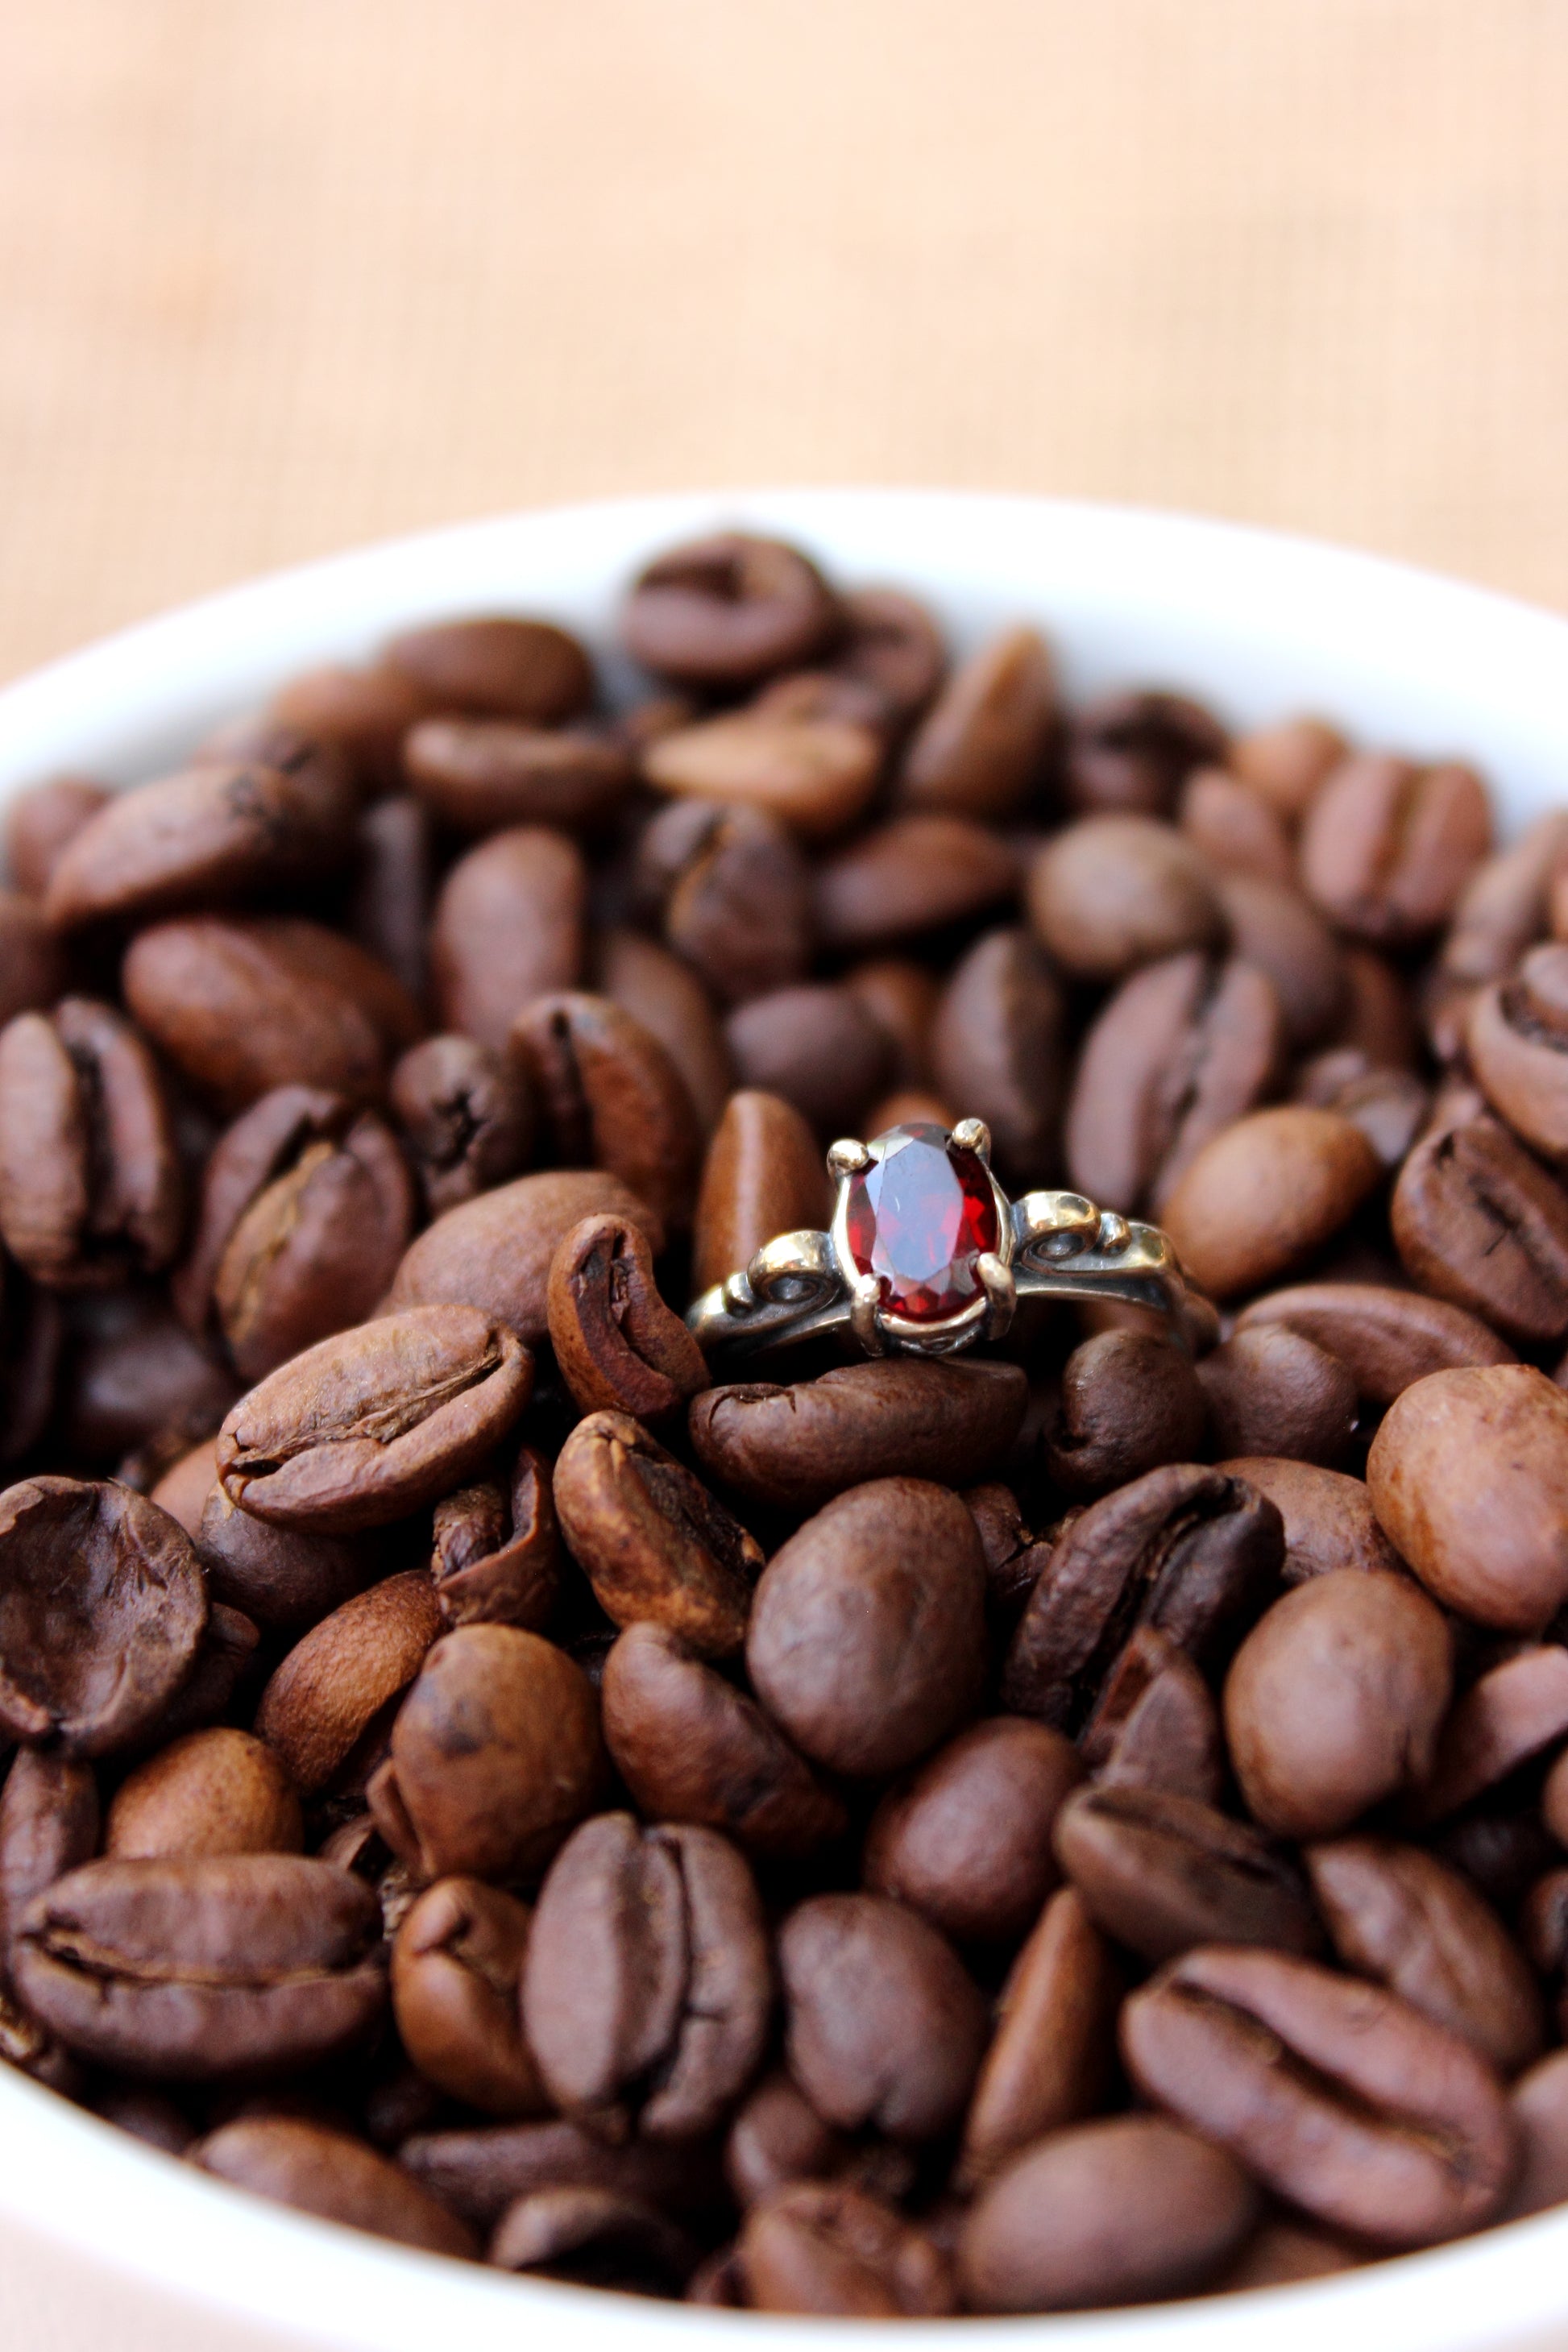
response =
{"points": [[926, 1254]]}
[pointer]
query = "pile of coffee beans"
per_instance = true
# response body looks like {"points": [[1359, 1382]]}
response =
{"points": [[1066, 1826]]}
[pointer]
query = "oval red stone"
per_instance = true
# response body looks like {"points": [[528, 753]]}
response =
{"points": [[918, 1218]]}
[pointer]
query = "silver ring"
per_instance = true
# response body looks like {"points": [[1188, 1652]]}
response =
{"points": [[878, 1270]]}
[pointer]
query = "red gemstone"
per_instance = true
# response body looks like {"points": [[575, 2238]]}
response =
{"points": [[919, 1217]]}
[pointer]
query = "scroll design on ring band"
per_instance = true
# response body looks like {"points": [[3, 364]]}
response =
{"points": [[926, 1254]]}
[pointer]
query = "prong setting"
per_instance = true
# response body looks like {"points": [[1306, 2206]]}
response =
{"points": [[865, 1299], [973, 1135], [847, 1157]]}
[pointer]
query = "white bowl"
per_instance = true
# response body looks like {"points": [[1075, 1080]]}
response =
{"points": [[106, 2246]]}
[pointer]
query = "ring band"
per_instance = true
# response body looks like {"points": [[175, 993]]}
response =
{"points": [[879, 1271]]}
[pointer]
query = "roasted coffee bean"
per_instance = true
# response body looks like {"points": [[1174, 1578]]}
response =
{"points": [[1113, 2212], [284, 1578], [610, 1096], [998, 1047], [333, 1684], [217, 1791], [594, 2237], [494, 1252], [1235, 827], [515, 668], [242, 1005], [132, 1382], [902, 997], [479, 774], [901, 1417], [183, 1490], [1271, 1391], [32, 968], [1051, 2059], [617, 1346], [666, 996], [830, 2251], [778, 2137], [510, 923], [966, 1839], [1506, 906], [48, 1826], [333, 2175], [1284, 2253], [227, 1654], [90, 1186], [732, 891], [496, 1549], [1182, 1050], [1399, 1915], [763, 1175], [883, 2025], [495, 1755], [1335, 1700], [215, 834], [1111, 893], [467, 1115], [912, 876], [1160, 1873], [1390, 1107], [980, 749], [1129, 752], [651, 1539], [364, 714], [455, 1968], [306, 1211], [1480, 1223], [817, 1047], [1538, 2106], [1515, 1710], [1469, 1474], [478, 2172], [1336, 2095], [374, 1424], [1387, 847], [1517, 1038], [1277, 931], [1129, 1402], [1185, 1550], [867, 1635], [690, 1747], [102, 1610], [41, 820], [728, 610], [1287, 762], [817, 694], [647, 1986], [197, 1969], [1155, 1724], [389, 912], [1262, 1194], [1388, 1338], [890, 643], [816, 773], [1329, 1518]]}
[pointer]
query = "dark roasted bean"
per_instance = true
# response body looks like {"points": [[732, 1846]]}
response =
{"points": [[1480, 1223], [1129, 1402], [830, 2251], [333, 2175], [496, 1549], [1271, 1391], [763, 1175], [617, 1346], [457, 1965], [728, 610], [494, 1252], [1161, 1871], [509, 923], [609, 1097], [467, 1115], [518, 669], [733, 894], [966, 1839]]}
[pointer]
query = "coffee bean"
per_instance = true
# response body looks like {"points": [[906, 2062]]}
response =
{"points": [[1388, 1338], [1329, 1518], [1262, 1194], [496, 1549], [1480, 1223], [1182, 1549], [1516, 1710], [1051, 2059], [362, 714], [333, 1684], [728, 610], [692, 1748], [393, 869], [798, 1446], [966, 1839], [666, 996], [892, 643], [517, 669], [610, 1096], [763, 1175], [91, 1187], [495, 1754], [1111, 893], [509, 924], [1160, 1873], [1129, 1404], [817, 1047], [1399, 1915], [651, 1539], [479, 774], [1132, 751], [48, 1826], [478, 2172], [102, 1610], [1271, 1391], [647, 1986], [217, 1791], [1282, 2252], [1390, 1107], [494, 1252], [1335, 1699], [998, 1047], [284, 1578], [1155, 1724], [815, 774], [333, 2175], [1468, 1476], [1517, 1037], [467, 1115], [830, 2251], [41, 820], [732, 892], [1387, 847], [1113, 2212], [883, 2024], [371, 1424], [594, 2237], [457, 1965], [980, 749], [195, 1969], [1277, 931], [32, 972], [867, 1633], [1287, 762], [912, 875], [1336, 2095], [1235, 827]]}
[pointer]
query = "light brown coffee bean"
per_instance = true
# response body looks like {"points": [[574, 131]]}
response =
{"points": [[1155, 1724], [1054, 2050], [494, 1252], [1234, 826], [1390, 1107], [1515, 1710], [1159, 1872], [1479, 1221], [815, 774], [1264, 1194], [333, 2176], [1286, 762], [912, 876], [980, 749], [617, 1346], [509, 923], [479, 774], [828, 2249], [457, 1965], [1517, 1038], [333, 1686], [998, 1047], [40, 820], [515, 668], [1387, 847], [763, 1175], [1111, 893], [1388, 1338], [217, 1791], [1277, 930]]}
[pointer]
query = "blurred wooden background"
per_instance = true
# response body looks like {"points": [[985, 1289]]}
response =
{"points": [[280, 275]]}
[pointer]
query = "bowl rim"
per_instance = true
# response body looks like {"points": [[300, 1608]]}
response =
{"points": [[109, 2205]]}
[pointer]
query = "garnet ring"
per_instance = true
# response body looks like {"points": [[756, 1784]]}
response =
{"points": [[926, 1254]]}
